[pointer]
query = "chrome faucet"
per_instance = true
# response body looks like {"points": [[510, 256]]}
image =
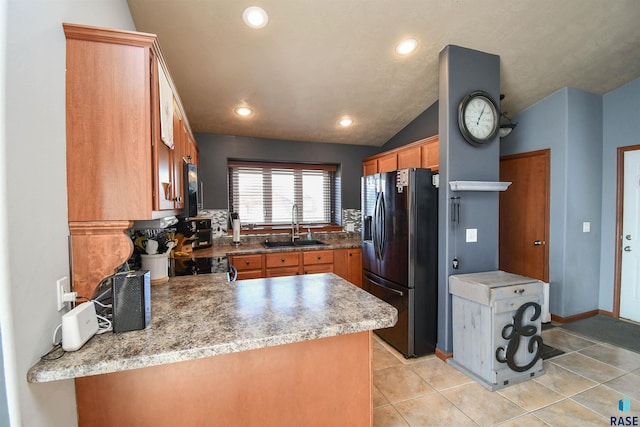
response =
{"points": [[295, 223]]}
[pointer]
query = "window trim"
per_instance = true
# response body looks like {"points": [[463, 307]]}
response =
{"points": [[333, 194]]}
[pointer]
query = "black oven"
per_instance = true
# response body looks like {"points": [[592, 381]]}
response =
{"points": [[205, 265]]}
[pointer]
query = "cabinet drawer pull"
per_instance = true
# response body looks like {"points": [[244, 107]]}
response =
{"points": [[282, 260], [248, 262], [319, 257]]}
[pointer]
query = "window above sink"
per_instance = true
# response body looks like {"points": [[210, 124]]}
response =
{"points": [[263, 193]]}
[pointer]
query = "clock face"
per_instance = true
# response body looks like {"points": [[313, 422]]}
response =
{"points": [[478, 118]]}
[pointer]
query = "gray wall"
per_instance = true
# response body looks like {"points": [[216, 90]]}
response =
{"points": [[569, 123], [423, 126], [36, 196], [216, 149], [4, 408], [462, 71], [4, 245], [621, 128]]}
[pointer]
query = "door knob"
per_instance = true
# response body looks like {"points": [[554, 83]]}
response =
{"points": [[537, 243], [627, 248]]}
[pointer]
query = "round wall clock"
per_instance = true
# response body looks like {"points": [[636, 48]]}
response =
{"points": [[478, 118]]}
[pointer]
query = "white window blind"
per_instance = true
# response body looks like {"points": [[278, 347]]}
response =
{"points": [[264, 193]]}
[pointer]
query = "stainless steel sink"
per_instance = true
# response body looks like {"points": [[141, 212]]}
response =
{"points": [[271, 245], [308, 243], [289, 244]]}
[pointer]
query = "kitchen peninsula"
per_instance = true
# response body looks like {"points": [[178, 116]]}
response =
{"points": [[279, 351]]}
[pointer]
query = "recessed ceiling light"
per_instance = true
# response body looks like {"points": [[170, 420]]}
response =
{"points": [[243, 111], [346, 122], [407, 46], [255, 17]]}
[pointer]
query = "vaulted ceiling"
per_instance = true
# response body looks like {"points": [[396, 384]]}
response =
{"points": [[317, 61]]}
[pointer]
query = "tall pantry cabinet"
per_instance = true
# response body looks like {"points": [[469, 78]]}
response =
{"points": [[121, 165]]}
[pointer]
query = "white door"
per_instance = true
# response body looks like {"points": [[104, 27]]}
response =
{"points": [[630, 275]]}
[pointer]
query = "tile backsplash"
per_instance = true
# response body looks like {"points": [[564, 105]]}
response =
{"points": [[351, 219], [219, 218]]}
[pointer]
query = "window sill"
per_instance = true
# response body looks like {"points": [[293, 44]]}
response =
{"points": [[286, 229]]}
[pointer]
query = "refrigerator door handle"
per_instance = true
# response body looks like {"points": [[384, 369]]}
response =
{"points": [[376, 227], [383, 234], [381, 285]]}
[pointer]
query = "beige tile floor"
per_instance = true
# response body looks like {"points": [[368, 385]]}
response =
{"points": [[579, 388]]}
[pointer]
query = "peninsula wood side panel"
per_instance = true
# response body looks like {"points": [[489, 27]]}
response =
{"points": [[323, 382]]}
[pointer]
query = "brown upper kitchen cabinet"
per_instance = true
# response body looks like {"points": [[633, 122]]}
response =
{"points": [[420, 154], [430, 153], [388, 162], [409, 158], [117, 166], [179, 140], [369, 167]]}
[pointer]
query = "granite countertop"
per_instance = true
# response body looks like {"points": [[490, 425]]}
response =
{"points": [[205, 315], [253, 245]]}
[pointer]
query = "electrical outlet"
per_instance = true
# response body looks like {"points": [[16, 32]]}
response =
{"points": [[62, 287]]}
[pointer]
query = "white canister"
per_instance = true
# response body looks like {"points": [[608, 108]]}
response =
{"points": [[236, 231], [158, 266]]}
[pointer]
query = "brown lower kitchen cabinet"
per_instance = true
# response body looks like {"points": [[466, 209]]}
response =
{"points": [[248, 266], [282, 264], [317, 262], [347, 263]]}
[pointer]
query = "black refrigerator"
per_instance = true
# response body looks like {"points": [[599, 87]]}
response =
{"points": [[400, 254]]}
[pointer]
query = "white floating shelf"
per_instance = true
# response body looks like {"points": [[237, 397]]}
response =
{"points": [[478, 185]]}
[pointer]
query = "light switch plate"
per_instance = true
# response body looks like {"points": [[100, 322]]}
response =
{"points": [[586, 227], [472, 235]]}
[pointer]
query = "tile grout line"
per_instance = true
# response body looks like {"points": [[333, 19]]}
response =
{"points": [[411, 364], [600, 361]]}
